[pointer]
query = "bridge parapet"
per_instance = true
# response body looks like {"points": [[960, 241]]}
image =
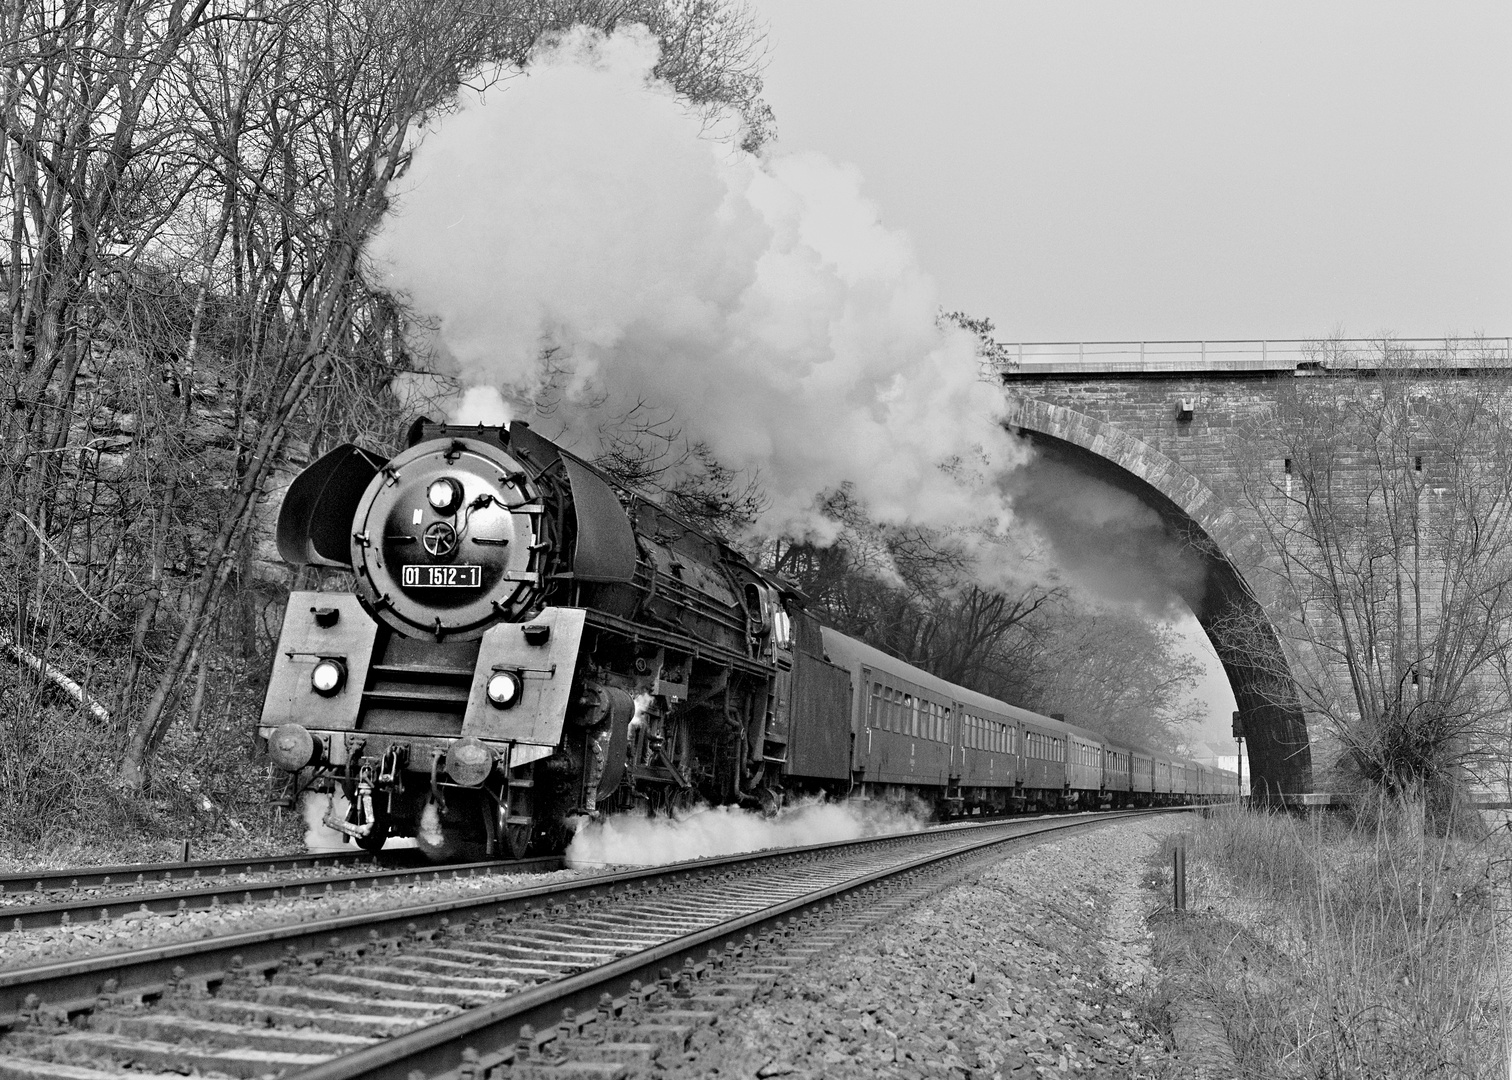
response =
{"points": [[1240, 357]]}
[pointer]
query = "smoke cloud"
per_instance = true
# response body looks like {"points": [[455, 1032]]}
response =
{"points": [[319, 836], [576, 232], [635, 840], [1104, 540]]}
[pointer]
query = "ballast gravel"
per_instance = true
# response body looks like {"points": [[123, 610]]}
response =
{"points": [[140, 930], [1036, 966]]}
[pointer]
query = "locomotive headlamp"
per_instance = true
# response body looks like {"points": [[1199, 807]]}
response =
{"points": [[444, 495], [328, 677], [503, 689]]}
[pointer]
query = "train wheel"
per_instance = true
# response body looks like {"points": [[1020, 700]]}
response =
{"points": [[517, 811]]}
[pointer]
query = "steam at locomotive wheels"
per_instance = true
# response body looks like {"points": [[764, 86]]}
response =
{"points": [[524, 645]]}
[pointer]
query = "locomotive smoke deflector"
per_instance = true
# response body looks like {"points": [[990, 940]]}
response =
{"points": [[315, 522], [605, 547]]}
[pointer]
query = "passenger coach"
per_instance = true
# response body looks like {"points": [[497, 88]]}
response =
{"points": [[914, 733]]}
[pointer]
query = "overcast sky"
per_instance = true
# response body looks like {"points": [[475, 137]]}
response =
{"points": [[1161, 170], [1173, 170]]}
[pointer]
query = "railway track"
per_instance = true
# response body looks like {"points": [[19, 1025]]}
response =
{"points": [[466, 987], [39, 881], [106, 899]]}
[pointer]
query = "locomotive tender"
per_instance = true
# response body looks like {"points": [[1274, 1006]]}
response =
{"points": [[524, 644]]}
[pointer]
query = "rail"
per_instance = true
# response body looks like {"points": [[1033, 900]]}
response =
{"points": [[1030, 358]]}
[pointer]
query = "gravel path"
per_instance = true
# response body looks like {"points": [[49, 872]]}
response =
{"points": [[1038, 966]]}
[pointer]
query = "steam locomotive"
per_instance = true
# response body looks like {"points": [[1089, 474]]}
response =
{"points": [[524, 644]]}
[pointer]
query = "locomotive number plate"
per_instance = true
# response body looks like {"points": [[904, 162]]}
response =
{"points": [[441, 577]]}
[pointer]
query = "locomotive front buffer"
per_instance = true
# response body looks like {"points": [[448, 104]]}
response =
{"points": [[443, 735]]}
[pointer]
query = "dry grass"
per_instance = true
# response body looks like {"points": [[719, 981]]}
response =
{"points": [[61, 803], [1340, 949]]}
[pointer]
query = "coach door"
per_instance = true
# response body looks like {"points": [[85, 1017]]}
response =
{"points": [[820, 732]]}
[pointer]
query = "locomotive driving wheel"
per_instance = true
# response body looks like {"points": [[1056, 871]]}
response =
{"points": [[517, 810]]}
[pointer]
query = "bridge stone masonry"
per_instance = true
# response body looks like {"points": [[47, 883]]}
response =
{"points": [[1162, 421]]}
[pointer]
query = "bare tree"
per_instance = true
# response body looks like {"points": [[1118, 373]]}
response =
{"points": [[336, 94], [186, 187], [1114, 669], [1383, 489]]}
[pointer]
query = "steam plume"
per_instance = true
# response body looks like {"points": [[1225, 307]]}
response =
{"points": [[635, 840], [577, 230], [1104, 540], [318, 835]]}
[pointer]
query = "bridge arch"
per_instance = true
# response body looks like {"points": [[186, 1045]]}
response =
{"points": [[1276, 731]]}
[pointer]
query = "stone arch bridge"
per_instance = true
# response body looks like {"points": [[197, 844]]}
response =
{"points": [[1158, 420]]}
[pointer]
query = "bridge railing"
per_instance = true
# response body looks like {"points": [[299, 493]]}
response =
{"points": [[1134, 357]]}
